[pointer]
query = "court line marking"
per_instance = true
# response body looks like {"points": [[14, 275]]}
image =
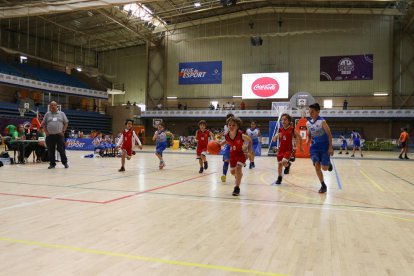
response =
{"points": [[25, 204], [157, 188], [137, 257], [398, 176], [345, 208], [52, 197], [372, 181], [107, 201], [336, 175]]}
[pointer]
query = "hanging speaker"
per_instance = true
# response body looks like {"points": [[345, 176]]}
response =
{"points": [[256, 41]]}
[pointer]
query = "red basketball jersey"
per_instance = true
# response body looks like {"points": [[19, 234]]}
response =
{"points": [[286, 136], [202, 138], [127, 138]]}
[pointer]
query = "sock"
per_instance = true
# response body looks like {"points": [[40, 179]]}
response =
{"points": [[225, 168]]}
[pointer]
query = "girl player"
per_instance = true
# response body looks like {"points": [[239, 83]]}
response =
{"points": [[127, 140], [202, 135], [321, 149], [256, 136], [235, 138], [161, 137], [286, 135]]}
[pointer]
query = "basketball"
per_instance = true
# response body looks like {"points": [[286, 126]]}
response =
{"points": [[213, 147]]}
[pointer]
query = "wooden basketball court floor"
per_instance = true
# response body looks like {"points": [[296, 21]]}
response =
{"points": [[92, 220]]}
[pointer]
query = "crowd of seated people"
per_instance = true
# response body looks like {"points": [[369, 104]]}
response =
{"points": [[25, 140]]}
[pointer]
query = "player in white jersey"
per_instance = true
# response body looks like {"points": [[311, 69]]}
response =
{"points": [[254, 133]]}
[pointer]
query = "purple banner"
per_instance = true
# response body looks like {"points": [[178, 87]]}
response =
{"points": [[338, 68]]}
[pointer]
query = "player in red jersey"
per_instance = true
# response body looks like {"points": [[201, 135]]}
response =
{"points": [[238, 150], [202, 136], [286, 134], [127, 140]]}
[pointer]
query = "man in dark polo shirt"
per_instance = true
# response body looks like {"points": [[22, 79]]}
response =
{"points": [[55, 124]]}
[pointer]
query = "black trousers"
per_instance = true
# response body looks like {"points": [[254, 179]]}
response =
{"points": [[53, 142]]}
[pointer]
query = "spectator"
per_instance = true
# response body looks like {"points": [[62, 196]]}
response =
{"points": [[179, 105], [159, 106], [55, 123], [228, 106], [128, 103], [345, 105], [134, 104], [211, 106], [258, 106], [242, 105], [185, 106], [218, 107], [233, 107]]}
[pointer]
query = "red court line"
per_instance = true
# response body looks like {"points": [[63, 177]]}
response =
{"points": [[156, 188], [57, 198]]}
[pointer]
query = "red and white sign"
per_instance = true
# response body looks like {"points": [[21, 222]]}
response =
{"points": [[265, 86]]}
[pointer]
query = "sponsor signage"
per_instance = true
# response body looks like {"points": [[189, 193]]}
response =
{"points": [[265, 86], [208, 72], [339, 68], [79, 144]]}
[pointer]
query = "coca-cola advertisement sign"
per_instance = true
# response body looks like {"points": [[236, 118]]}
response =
{"points": [[266, 85]]}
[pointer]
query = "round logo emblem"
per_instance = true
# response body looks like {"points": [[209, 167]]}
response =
{"points": [[265, 87]]}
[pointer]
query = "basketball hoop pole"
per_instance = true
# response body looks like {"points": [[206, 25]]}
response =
{"points": [[21, 111]]}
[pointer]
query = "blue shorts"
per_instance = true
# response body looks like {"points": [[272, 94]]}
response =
{"points": [[160, 147], [321, 157], [255, 146], [357, 144], [226, 152], [344, 145]]}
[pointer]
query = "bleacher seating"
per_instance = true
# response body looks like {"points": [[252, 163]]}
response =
{"points": [[48, 75], [78, 120], [9, 70], [40, 74]]}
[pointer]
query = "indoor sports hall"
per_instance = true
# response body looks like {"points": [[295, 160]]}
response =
{"points": [[225, 137]]}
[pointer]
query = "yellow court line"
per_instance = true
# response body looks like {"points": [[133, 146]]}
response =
{"points": [[141, 258], [372, 181]]}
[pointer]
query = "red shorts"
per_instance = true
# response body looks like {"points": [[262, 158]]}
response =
{"points": [[237, 158], [283, 155], [128, 150], [202, 150]]}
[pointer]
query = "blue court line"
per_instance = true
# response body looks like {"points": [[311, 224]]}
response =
{"points": [[336, 175], [398, 176]]}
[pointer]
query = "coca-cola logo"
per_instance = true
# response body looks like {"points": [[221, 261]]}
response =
{"points": [[265, 87]]}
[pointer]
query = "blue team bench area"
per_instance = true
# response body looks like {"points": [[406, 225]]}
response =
{"points": [[78, 120], [40, 74]]}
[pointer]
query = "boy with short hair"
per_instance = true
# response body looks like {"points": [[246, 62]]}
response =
{"points": [[202, 135], [320, 138]]}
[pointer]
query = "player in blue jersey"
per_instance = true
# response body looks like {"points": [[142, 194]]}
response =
{"points": [[320, 138], [226, 150], [254, 133], [160, 136], [356, 142], [344, 144]]}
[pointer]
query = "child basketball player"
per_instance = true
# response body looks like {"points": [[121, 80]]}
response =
{"points": [[286, 134], [202, 135], [226, 150], [356, 142], [160, 136], [127, 140], [235, 138], [319, 134], [344, 144], [254, 133]]}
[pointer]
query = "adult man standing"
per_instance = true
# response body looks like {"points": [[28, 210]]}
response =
{"points": [[55, 124]]}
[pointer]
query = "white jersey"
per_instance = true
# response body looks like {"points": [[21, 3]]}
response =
{"points": [[253, 134]]}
